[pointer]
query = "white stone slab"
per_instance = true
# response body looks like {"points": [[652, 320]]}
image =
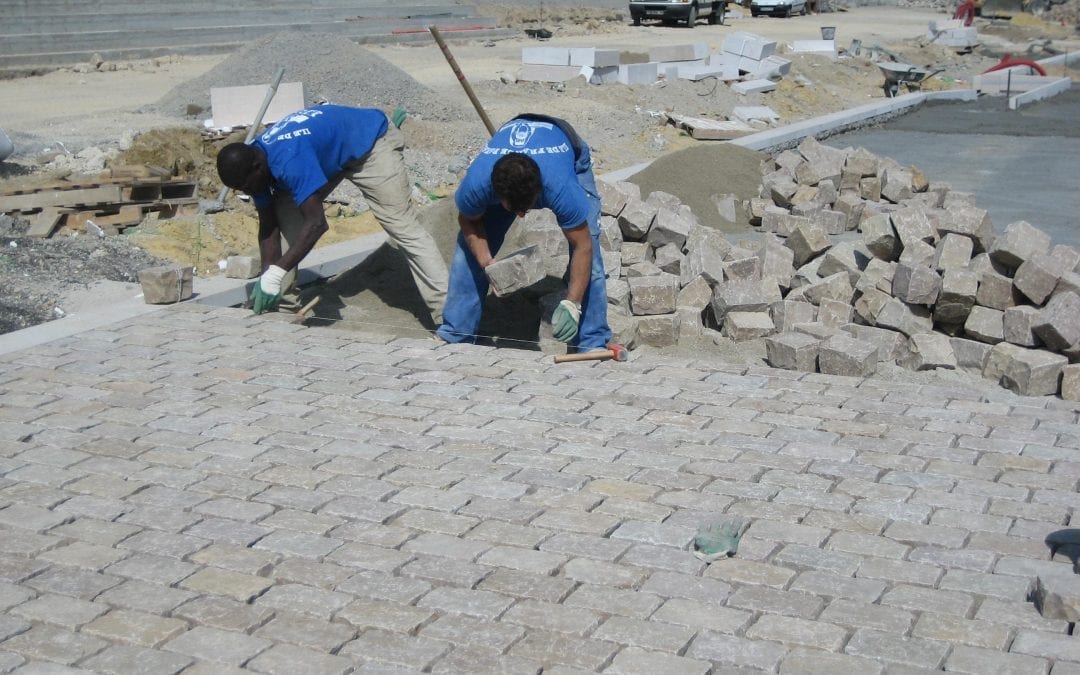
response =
{"points": [[701, 71], [758, 48], [603, 75], [753, 87], [638, 73], [748, 113], [772, 67], [1052, 88], [688, 52], [532, 72], [237, 106], [814, 46], [545, 56], [590, 56]]}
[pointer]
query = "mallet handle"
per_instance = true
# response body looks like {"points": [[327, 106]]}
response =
{"points": [[585, 356]]}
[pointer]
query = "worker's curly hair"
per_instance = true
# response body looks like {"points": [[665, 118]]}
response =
{"points": [[235, 163], [516, 180]]}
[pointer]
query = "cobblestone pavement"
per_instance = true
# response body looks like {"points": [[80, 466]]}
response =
{"points": [[205, 491]]}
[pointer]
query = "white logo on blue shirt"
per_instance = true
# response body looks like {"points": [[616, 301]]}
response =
{"points": [[275, 133]]}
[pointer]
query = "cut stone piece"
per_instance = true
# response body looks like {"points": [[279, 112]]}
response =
{"points": [[792, 351], [166, 284], [842, 354]]}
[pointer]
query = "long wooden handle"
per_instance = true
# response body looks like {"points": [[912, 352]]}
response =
{"points": [[585, 356], [461, 78]]}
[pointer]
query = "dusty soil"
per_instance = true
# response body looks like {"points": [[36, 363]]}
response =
{"points": [[151, 112]]}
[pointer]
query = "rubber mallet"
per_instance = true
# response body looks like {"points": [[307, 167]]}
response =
{"points": [[613, 352]]}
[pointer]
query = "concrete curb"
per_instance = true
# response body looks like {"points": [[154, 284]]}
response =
{"points": [[790, 135], [1052, 88]]}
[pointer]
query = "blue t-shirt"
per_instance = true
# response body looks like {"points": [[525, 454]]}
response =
{"points": [[309, 147], [549, 147]]}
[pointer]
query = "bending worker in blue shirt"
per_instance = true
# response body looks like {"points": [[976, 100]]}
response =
{"points": [[291, 168], [532, 162]]}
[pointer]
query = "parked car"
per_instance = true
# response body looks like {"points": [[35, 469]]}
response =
{"points": [[777, 7], [674, 11]]}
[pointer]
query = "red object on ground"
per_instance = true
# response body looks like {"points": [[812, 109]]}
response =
{"points": [[965, 11], [1008, 61]]}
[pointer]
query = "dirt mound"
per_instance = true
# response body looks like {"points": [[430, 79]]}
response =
{"points": [[332, 68], [695, 174]]}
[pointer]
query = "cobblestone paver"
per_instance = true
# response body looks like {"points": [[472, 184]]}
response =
{"points": [[202, 491]]}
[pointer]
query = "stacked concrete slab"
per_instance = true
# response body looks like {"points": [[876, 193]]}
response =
{"points": [[743, 56]]}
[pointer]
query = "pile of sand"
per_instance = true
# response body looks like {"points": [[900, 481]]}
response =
{"points": [[332, 68]]}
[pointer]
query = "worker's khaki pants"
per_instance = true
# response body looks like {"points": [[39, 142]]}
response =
{"points": [[382, 179]]}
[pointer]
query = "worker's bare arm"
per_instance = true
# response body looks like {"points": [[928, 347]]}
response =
{"points": [[269, 237], [581, 253], [314, 227], [476, 239]]}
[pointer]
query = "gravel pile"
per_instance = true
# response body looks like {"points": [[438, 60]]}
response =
{"points": [[332, 68]]}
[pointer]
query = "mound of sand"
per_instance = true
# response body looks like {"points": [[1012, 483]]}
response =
{"points": [[695, 174], [331, 67]]}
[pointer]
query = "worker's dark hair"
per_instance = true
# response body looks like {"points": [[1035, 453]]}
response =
{"points": [[235, 163], [516, 180]]}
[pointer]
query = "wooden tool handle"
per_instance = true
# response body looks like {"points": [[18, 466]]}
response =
{"points": [[585, 356], [308, 307]]}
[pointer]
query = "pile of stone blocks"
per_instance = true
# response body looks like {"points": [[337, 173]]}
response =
{"points": [[860, 261], [559, 64], [887, 266]]}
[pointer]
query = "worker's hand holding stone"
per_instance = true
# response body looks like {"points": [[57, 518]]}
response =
{"points": [[267, 291], [564, 320]]}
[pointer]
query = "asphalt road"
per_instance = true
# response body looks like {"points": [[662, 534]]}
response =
{"points": [[1019, 164]]}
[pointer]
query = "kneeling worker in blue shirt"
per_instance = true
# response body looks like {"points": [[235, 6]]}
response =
{"points": [[291, 168], [532, 162]]}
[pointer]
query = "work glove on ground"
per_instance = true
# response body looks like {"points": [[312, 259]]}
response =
{"points": [[398, 116], [565, 320], [266, 294], [718, 539]]}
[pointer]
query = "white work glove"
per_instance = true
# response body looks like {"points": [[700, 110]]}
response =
{"points": [[271, 279], [266, 294], [565, 320]]}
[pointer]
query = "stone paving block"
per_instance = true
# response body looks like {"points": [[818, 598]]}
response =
{"points": [[383, 615], [976, 661], [772, 601], [927, 600], [700, 615], [1058, 323], [476, 633], [636, 661], [1058, 597], [996, 291], [286, 658], [798, 632], [531, 586], [535, 615], [303, 600], [956, 630], [1046, 645], [477, 659], [847, 356], [895, 649], [585, 570], [652, 635], [75, 583], [240, 587], [1034, 372], [736, 652], [899, 571], [556, 649], [309, 633], [129, 659], [1019, 614], [477, 603], [672, 585], [750, 572], [814, 662], [57, 645], [916, 284], [60, 611], [1037, 277], [145, 597], [411, 652], [628, 603], [1020, 242], [139, 628], [1018, 324], [836, 586], [859, 615], [930, 351]]}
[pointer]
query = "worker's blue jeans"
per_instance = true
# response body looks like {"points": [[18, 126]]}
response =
{"points": [[469, 285]]}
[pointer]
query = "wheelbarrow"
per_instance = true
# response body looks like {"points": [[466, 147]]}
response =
{"points": [[906, 74]]}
